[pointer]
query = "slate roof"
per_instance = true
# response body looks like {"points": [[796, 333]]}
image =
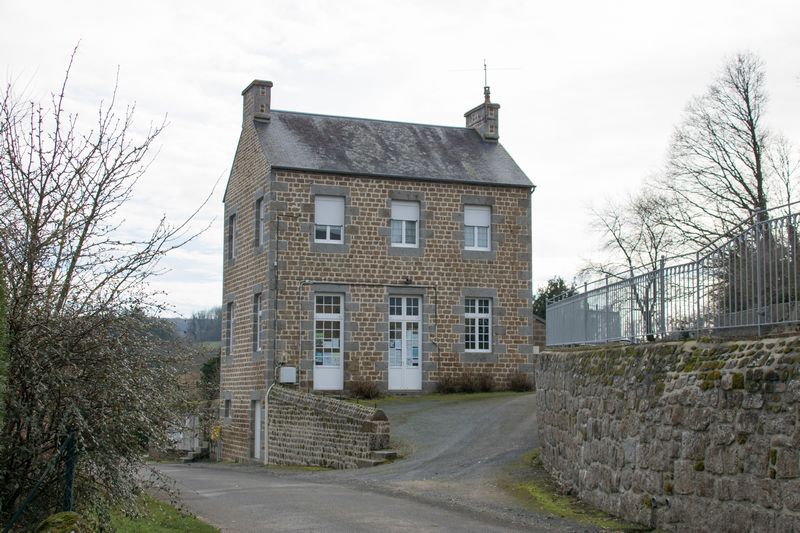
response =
{"points": [[357, 146]]}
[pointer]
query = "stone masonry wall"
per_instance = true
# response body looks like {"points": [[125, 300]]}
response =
{"points": [[692, 436], [244, 372], [368, 269], [309, 429]]}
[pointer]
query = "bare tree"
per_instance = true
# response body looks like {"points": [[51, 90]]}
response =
{"points": [[718, 169], [635, 241], [83, 350], [784, 164], [206, 325], [635, 235]]}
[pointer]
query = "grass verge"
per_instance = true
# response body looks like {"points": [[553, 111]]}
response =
{"points": [[533, 487], [438, 397], [159, 517]]}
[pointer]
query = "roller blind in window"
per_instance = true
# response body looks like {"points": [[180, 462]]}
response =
{"points": [[477, 215], [405, 210], [329, 210]]}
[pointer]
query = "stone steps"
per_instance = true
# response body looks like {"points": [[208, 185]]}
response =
{"points": [[385, 455], [377, 457], [188, 458]]}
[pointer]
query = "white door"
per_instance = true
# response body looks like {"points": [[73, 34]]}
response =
{"points": [[328, 342], [257, 429], [405, 343]]}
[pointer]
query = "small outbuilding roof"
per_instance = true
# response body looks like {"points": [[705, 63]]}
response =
{"points": [[379, 148]]}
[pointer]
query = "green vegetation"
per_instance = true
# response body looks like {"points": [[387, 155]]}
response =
{"points": [[3, 353], [158, 517], [556, 286], [533, 486], [365, 390], [438, 397]]}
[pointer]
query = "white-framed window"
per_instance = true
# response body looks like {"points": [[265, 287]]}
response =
{"points": [[405, 224], [478, 324], [259, 222], [257, 322], [329, 219], [328, 334], [229, 327], [477, 227], [232, 236], [227, 408]]}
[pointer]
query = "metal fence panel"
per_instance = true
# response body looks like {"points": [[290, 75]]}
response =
{"points": [[748, 282]]}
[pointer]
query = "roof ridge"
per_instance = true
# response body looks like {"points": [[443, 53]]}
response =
{"points": [[369, 119]]}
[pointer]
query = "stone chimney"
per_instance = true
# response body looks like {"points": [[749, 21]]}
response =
{"points": [[484, 117], [256, 101]]}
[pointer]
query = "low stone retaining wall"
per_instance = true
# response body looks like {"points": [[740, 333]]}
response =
{"points": [[312, 430], [683, 436]]}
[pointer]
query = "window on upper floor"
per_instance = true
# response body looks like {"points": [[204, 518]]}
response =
{"points": [[405, 224], [478, 324], [229, 328], [258, 320], [477, 227], [231, 237], [259, 222], [329, 219]]}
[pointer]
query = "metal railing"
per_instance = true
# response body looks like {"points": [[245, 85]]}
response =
{"points": [[742, 286]]}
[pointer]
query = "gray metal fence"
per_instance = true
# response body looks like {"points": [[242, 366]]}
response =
{"points": [[748, 283]]}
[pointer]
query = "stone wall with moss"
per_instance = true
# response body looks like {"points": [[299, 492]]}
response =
{"points": [[312, 430], [685, 436]]}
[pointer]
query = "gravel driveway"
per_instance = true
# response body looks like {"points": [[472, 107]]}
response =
{"points": [[456, 450]]}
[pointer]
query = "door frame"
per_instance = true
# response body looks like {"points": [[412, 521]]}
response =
{"points": [[328, 377], [405, 319]]}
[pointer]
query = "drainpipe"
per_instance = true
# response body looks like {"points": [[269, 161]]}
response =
{"points": [[266, 424]]}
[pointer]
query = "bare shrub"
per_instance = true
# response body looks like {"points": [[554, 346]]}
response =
{"points": [[365, 390], [468, 382], [480, 382], [86, 355], [519, 382], [447, 385]]}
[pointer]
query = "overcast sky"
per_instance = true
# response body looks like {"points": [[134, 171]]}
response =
{"points": [[589, 91]]}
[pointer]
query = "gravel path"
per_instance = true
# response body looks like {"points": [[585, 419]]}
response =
{"points": [[456, 450]]}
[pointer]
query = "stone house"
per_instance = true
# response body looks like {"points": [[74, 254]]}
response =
{"points": [[369, 250]]}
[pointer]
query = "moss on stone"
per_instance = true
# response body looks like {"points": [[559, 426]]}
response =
{"points": [[65, 522], [737, 380], [699, 466], [773, 456]]}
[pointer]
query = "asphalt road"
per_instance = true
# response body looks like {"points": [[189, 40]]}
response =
{"points": [[456, 450]]}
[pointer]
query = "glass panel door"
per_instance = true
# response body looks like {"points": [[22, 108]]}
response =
{"points": [[405, 343], [328, 342]]}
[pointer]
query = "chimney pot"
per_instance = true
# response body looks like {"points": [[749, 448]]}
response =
{"points": [[484, 118], [256, 102]]}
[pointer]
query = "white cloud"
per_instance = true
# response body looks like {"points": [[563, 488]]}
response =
{"points": [[587, 110]]}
